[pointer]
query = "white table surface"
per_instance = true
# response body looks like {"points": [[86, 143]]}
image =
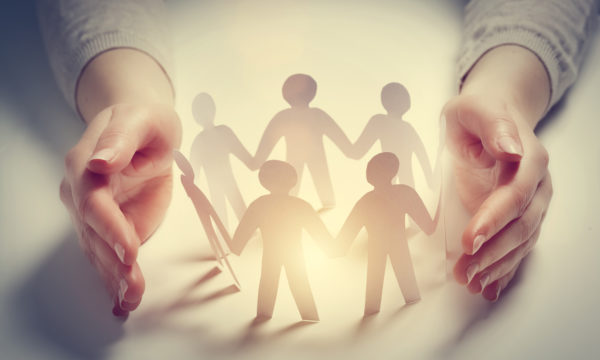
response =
{"points": [[53, 306]]}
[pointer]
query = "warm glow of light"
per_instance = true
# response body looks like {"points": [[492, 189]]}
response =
{"points": [[240, 55]]}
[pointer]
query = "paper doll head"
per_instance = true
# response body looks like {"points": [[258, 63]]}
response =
{"points": [[395, 98], [382, 168], [299, 89], [203, 109], [277, 176]]}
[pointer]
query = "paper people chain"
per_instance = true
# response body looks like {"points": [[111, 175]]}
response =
{"points": [[281, 217]]}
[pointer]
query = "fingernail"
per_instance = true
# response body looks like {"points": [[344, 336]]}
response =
{"points": [[122, 290], [510, 146], [477, 242], [120, 250], [484, 280], [497, 293], [471, 271], [105, 154]]}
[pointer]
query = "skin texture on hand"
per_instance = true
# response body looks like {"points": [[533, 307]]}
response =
{"points": [[500, 166], [118, 177]]}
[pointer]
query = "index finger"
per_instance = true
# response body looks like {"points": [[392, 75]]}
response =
{"points": [[97, 207], [518, 183]]}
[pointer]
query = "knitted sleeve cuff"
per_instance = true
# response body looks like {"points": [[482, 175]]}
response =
{"points": [[522, 37], [103, 42]]}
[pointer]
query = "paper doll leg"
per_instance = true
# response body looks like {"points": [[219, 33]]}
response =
{"points": [[375, 273], [217, 199], [300, 287], [322, 180], [405, 273], [267, 288], [211, 236]]}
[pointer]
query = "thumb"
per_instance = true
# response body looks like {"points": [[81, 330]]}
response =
{"points": [[500, 138], [133, 135]]}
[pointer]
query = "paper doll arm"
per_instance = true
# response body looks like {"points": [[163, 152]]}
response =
{"points": [[190, 188], [350, 229], [271, 136], [245, 229], [239, 151], [332, 130], [419, 150], [418, 212], [366, 139], [317, 229]]}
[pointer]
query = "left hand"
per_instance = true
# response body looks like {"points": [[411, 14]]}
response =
{"points": [[508, 194]]}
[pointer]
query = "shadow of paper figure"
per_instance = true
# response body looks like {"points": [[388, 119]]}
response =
{"points": [[211, 151], [206, 214], [382, 212], [281, 218], [303, 128], [395, 135]]}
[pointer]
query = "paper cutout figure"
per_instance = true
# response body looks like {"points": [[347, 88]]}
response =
{"points": [[382, 212], [281, 218], [211, 150], [395, 135], [303, 128], [206, 213]]}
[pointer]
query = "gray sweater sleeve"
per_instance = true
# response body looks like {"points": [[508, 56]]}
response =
{"points": [[75, 31], [557, 31]]}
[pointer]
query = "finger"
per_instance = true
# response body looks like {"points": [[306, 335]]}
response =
{"points": [[512, 236], [135, 139], [81, 228], [125, 283], [118, 312], [492, 292], [503, 266], [98, 208], [89, 199], [516, 188], [482, 132]]}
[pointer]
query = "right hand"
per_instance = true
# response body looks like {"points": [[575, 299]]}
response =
{"points": [[117, 187]]}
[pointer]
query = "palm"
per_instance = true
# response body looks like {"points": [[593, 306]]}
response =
{"points": [[474, 185]]}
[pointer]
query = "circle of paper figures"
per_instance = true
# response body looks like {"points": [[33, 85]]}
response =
{"points": [[280, 215]]}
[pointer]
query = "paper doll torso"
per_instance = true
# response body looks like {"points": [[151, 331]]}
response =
{"points": [[398, 137], [384, 215], [211, 149], [281, 219], [302, 129]]}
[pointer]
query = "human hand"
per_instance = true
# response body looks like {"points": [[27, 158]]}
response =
{"points": [[502, 179], [117, 186]]}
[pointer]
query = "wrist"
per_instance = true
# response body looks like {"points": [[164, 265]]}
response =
{"points": [[121, 76], [514, 76]]}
